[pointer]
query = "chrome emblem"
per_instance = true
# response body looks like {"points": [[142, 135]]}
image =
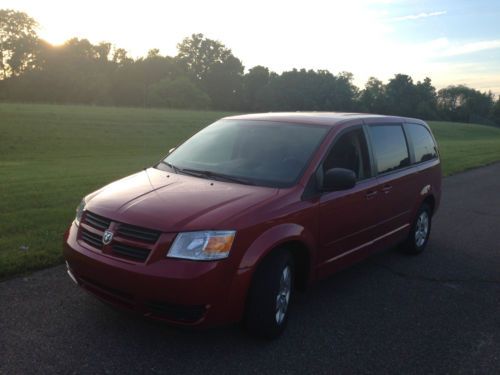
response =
{"points": [[107, 237]]}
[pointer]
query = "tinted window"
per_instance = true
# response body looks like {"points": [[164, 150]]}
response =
{"points": [[350, 152], [389, 147], [423, 144], [262, 152]]}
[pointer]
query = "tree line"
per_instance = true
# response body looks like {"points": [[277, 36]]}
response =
{"points": [[205, 74]]}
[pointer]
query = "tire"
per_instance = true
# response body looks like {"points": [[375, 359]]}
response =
{"points": [[420, 231], [268, 302]]}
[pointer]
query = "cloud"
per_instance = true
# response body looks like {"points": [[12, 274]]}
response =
{"points": [[419, 15], [443, 47], [471, 47]]}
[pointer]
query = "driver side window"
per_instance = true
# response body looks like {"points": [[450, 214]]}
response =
{"points": [[350, 151]]}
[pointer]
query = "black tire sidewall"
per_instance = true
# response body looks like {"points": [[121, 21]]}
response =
{"points": [[260, 315]]}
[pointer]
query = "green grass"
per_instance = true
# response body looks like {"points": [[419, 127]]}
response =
{"points": [[52, 155], [465, 146]]}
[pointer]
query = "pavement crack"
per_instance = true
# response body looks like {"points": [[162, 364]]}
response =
{"points": [[409, 276]]}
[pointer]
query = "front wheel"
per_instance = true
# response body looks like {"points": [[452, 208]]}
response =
{"points": [[420, 231], [269, 296]]}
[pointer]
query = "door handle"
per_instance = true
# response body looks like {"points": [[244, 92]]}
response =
{"points": [[387, 188], [371, 194]]}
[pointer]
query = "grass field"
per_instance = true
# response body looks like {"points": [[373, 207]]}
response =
{"points": [[51, 156]]}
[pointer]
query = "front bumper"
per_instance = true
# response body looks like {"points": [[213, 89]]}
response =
{"points": [[173, 290]]}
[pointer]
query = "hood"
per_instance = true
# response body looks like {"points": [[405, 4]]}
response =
{"points": [[172, 202]]}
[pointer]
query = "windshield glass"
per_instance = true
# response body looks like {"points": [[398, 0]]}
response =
{"points": [[258, 152]]}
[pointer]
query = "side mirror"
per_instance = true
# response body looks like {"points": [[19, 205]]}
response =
{"points": [[171, 150], [336, 179]]}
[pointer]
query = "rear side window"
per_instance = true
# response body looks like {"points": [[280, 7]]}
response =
{"points": [[423, 144], [389, 147]]}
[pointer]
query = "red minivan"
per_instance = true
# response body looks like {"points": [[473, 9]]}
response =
{"points": [[250, 208]]}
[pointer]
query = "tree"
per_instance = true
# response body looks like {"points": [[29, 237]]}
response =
{"points": [[177, 93], [307, 90], [214, 69], [426, 100], [75, 72], [199, 55], [131, 81], [461, 103], [253, 83], [120, 57], [18, 43], [103, 51], [372, 97], [224, 84], [345, 92], [495, 112], [153, 52], [204, 74], [401, 96], [293, 90]]}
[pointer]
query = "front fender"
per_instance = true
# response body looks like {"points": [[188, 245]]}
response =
{"points": [[274, 237]]}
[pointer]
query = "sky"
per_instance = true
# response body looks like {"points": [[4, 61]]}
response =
{"points": [[450, 41]]}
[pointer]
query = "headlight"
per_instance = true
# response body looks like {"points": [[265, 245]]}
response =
{"points": [[79, 212], [204, 245]]}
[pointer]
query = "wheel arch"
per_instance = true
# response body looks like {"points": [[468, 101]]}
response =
{"points": [[292, 237], [301, 261], [431, 201]]}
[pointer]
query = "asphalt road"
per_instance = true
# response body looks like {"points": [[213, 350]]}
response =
{"points": [[438, 312]]}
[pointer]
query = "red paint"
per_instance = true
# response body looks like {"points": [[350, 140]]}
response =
{"points": [[336, 229]]}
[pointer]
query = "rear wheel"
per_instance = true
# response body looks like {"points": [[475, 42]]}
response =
{"points": [[269, 297], [420, 231]]}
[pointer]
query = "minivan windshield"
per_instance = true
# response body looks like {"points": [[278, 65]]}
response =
{"points": [[252, 152]]}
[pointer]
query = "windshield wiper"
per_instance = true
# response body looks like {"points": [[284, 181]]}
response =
{"points": [[171, 166], [216, 176]]}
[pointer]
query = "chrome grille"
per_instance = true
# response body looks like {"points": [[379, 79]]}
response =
{"points": [[138, 233], [131, 251], [129, 242], [92, 239], [96, 221]]}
